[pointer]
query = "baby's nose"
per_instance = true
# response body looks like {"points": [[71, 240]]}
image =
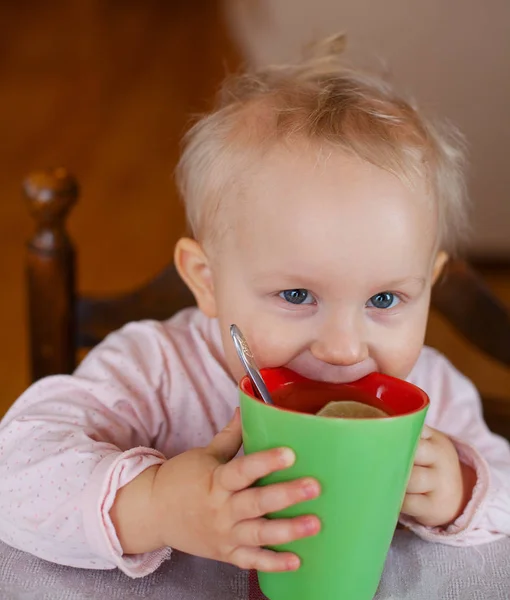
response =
{"points": [[340, 344]]}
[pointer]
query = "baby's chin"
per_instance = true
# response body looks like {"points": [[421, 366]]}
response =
{"points": [[311, 368]]}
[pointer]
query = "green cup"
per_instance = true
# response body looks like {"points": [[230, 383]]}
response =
{"points": [[363, 467]]}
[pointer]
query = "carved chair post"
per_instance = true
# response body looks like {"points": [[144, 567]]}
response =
{"points": [[50, 271]]}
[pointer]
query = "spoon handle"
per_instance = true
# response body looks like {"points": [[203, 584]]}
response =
{"points": [[246, 357]]}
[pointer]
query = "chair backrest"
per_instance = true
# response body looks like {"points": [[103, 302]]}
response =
{"points": [[465, 300], [61, 322]]}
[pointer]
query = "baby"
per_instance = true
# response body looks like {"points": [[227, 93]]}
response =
{"points": [[323, 207]]}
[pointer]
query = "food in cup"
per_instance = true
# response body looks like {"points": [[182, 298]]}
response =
{"points": [[351, 409]]}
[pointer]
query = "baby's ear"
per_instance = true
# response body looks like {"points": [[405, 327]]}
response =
{"points": [[193, 267], [440, 262]]}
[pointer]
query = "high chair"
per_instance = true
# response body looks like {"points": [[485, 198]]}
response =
{"points": [[61, 322]]}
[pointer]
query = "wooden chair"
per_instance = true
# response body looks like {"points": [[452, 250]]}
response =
{"points": [[60, 322]]}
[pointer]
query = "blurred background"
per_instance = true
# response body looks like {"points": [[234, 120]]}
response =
{"points": [[106, 88]]}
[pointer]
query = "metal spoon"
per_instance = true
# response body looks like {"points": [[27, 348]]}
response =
{"points": [[246, 357]]}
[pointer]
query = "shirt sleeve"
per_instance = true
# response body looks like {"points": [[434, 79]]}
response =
{"points": [[69, 443], [456, 410]]}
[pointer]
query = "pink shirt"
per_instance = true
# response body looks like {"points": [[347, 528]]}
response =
{"points": [[153, 390]]}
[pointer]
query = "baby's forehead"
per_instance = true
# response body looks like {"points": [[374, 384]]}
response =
{"points": [[292, 199], [320, 179]]}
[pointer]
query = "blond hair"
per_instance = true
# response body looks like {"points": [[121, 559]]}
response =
{"points": [[322, 101]]}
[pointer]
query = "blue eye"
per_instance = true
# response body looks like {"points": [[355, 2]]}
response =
{"points": [[384, 300], [298, 296]]}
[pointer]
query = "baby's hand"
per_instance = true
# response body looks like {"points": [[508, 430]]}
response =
{"points": [[440, 485], [206, 507]]}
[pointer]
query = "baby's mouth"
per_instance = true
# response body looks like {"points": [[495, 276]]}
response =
{"points": [[317, 370]]}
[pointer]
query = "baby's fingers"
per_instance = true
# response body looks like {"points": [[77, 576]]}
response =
{"points": [[225, 444], [263, 560], [244, 471], [422, 480], [426, 453], [273, 532], [416, 505], [259, 501]]}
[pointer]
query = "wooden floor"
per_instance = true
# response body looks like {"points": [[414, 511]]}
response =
{"points": [[106, 89]]}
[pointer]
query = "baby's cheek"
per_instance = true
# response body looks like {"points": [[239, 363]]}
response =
{"points": [[405, 343], [398, 361], [273, 355], [275, 345]]}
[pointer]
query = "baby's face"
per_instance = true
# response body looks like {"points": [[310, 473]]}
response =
{"points": [[326, 268]]}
